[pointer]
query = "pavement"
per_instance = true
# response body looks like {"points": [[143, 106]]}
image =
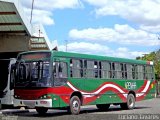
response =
{"points": [[23, 110], [158, 96], [10, 111], [144, 110]]}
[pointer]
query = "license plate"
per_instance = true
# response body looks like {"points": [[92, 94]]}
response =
{"points": [[30, 104]]}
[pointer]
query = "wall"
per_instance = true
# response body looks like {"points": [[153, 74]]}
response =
{"points": [[14, 43]]}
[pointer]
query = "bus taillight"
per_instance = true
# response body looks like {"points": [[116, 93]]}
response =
{"points": [[150, 62]]}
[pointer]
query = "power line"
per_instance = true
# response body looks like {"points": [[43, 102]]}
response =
{"points": [[32, 10]]}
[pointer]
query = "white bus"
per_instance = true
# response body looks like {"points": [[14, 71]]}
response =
{"points": [[6, 82]]}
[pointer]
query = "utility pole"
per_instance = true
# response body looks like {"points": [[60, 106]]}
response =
{"points": [[66, 41], [32, 11]]}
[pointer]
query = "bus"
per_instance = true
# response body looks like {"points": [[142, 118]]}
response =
{"points": [[57, 80], [6, 83]]}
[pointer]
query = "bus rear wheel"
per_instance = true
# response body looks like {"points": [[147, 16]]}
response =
{"points": [[103, 106], [41, 110], [0, 106], [130, 104], [75, 105]]}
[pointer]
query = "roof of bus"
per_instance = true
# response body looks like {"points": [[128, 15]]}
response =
{"points": [[92, 57], [96, 57]]}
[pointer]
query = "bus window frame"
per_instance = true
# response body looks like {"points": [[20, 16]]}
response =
{"points": [[127, 70]]}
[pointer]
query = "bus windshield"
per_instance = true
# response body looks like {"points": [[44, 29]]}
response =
{"points": [[32, 70], [32, 74]]}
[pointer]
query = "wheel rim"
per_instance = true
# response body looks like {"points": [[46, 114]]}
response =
{"points": [[131, 102], [75, 105]]}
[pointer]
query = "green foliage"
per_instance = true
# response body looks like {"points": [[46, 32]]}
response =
{"points": [[155, 57]]}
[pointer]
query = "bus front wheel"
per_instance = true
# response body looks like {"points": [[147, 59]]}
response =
{"points": [[75, 105], [41, 110], [130, 104]]}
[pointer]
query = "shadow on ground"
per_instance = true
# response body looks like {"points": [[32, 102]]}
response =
{"points": [[64, 113]]}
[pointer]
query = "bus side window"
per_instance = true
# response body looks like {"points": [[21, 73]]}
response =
{"points": [[110, 70], [81, 68], [129, 72], [105, 70], [113, 70], [133, 72], [76, 68], [149, 72], [71, 68], [100, 70], [136, 71], [122, 70], [118, 71], [140, 72], [63, 70], [84, 68], [125, 71], [60, 73], [95, 69], [144, 72], [55, 70], [60, 69], [90, 69]]}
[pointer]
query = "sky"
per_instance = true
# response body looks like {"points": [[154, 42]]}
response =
{"points": [[118, 28]]}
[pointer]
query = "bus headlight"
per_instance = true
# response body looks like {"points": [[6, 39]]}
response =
{"points": [[46, 97]]}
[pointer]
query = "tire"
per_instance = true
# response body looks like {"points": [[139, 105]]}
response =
{"points": [[75, 105], [103, 106], [41, 110], [130, 104], [7, 106], [0, 106]]}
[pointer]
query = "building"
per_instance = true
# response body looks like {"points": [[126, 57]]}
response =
{"points": [[17, 34]]}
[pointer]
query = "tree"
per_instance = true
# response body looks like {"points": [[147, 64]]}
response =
{"points": [[155, 57]]}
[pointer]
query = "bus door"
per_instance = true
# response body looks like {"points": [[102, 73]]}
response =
{"points": [[60, 76]]}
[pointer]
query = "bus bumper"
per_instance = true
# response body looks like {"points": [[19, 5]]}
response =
{"points": [[33, 103]]}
